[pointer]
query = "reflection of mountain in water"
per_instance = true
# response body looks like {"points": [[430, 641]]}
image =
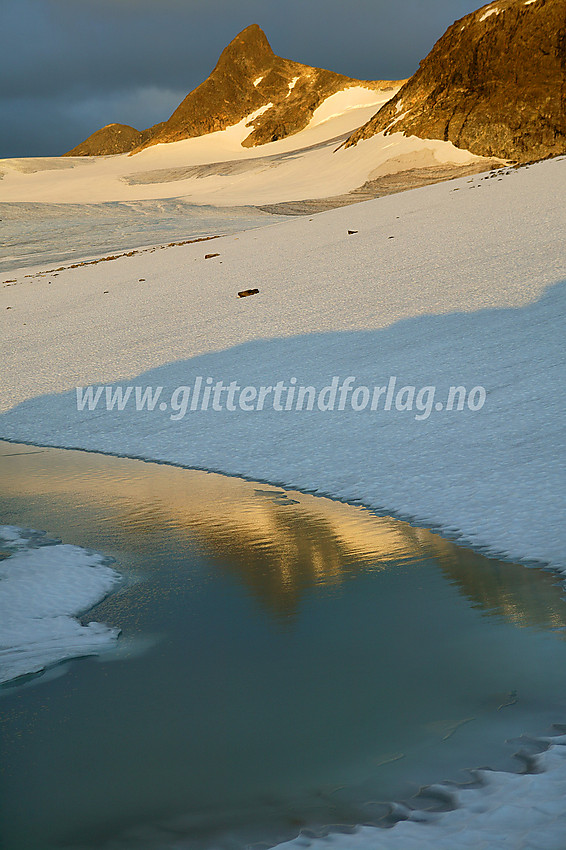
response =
{"points": [[279, 544], [522, 596], [280, 547]]}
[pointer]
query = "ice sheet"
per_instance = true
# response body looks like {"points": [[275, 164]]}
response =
{"points": [[44, 586]]}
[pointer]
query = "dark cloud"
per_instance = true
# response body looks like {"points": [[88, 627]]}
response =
{"points": [[67, 67]]}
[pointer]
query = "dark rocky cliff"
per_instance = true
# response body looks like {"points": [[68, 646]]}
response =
{"points": [[494, 84]]}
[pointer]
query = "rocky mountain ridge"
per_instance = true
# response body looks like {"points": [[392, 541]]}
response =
{"points": [[494, 84], [247, 77]]}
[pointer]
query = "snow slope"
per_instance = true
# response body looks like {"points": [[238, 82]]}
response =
{"points": [[216, 169], [457, 283], [44, 585], [458, 296]]}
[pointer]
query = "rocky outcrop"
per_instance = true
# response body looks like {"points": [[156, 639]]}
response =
{"points": [[494, 84], [114, 138], [247, 77]]}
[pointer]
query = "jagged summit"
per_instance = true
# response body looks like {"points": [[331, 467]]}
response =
{"points": [[247, 77], [494, 84], [250, 46]]}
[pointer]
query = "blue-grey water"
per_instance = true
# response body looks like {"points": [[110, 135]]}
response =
{"points": [[42, 234], [286, 661]]}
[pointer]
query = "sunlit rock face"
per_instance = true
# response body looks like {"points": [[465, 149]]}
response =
{"points": [[494, 84], [114, 138], [248, 77]]}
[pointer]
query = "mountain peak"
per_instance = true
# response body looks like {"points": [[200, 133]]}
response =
{"points": [[247, 77], [251, 38], [247, 52], [493, 84]]}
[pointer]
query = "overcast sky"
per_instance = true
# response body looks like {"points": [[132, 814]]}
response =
{"points": [[68, 67]]}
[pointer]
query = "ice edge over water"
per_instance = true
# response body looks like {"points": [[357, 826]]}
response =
{"points": [[44, 586], [498, 809]]}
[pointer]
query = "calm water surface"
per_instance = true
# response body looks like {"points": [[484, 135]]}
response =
{"points": [[284, 661]]}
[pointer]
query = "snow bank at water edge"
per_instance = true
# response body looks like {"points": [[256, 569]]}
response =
{"points": [[519, 811], [44, 585]]}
